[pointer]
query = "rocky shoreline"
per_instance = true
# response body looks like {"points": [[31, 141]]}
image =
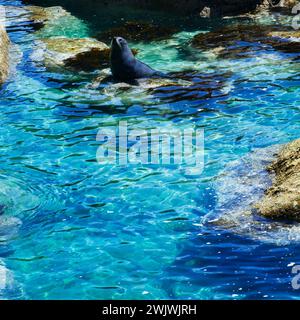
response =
{"points": [[282, 199]]}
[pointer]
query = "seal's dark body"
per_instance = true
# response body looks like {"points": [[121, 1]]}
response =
{"points": [[123, 64]]}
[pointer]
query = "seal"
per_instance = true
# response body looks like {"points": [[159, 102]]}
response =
{"points": [[123, 64]]}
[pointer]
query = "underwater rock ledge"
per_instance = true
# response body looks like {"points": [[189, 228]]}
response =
{"points": [[282, 199], [243, 187]]}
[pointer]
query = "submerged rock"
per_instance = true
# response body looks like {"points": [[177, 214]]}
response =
{"points": [[137, 31], [4, 55], [238, 189], [282, 199], [40, 16], [141, 87], [240, 41], [54, 21], [196, 90], [85, 54], [259, 195], [285, 41]]}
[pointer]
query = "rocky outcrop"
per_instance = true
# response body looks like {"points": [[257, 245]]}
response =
{"points": [[41, 16], [85, 54], [4, 55], [174, 88], [63, 42], [238, 188], [234, 41], [289, 4], [54, 21], [282, 199]]}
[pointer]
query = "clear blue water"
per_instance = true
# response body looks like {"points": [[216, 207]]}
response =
{"points": [[77, 230]]}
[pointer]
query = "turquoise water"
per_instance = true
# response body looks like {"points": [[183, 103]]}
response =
{"points": [[74, 229]]}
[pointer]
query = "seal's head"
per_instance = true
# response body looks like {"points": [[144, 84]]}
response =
{"points": [[120, 49], [119, 43], [122, 59]]}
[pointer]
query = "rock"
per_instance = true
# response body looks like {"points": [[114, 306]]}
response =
{"points": [[205, 12], [141, 91], [4, 55], [285, 35], [288, 3], [137, 31], [236, 190], [235, 41], [264, 6], [40, 16], [55, 21], [179, 86], [282, 6], [230, 41], [147, 83], [285, 41], [84, 54], [282, 199]]}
